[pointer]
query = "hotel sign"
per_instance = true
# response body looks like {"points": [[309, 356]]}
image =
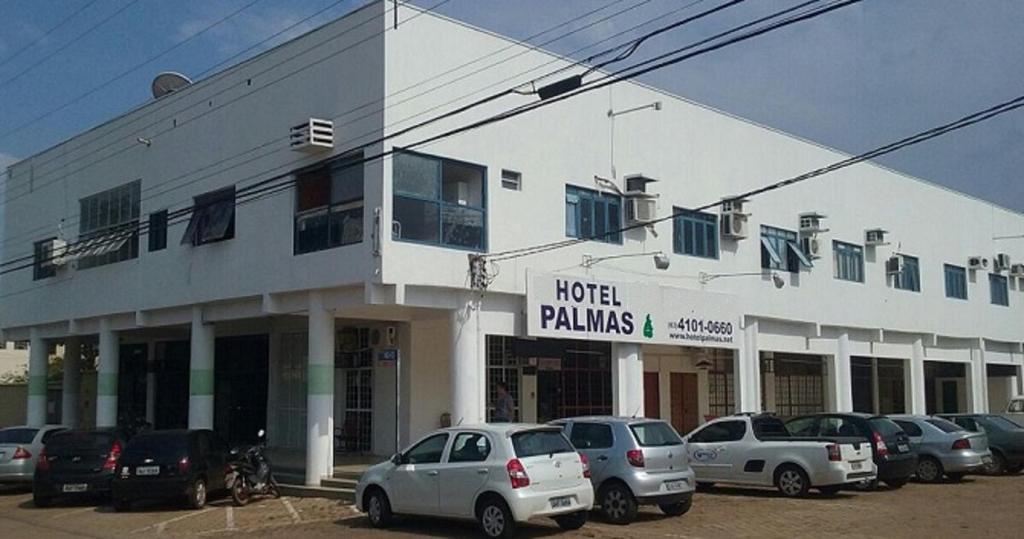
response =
{"points": [[563, 306]]}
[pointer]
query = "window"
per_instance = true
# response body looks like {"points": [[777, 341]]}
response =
{"points": [[655, 434], [999, 286], [470, 447], [726, 431], [428, 451], [910, 428], [157, 230], [695, 233], [213, 218], [511, 180], [956, 281], [438, 201], [967, 423], [943, 425], [591, 436], [721, 384], [840, 426], [592, 215], [848, 261], [108, 229], [780, 250], [909, 277], [769, 427], [998, 423], [42, 260], [540, 442], [329, 205], [804, 426], [1016, 406]]}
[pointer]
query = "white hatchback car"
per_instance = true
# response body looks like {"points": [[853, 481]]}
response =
{"points": [[498, 475]]}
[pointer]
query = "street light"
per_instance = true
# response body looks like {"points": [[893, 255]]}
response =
{"points": [[661, 260], [705, 278]]}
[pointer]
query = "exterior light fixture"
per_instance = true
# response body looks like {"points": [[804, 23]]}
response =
{"points": [[661, 260], [653, 106], [706, 278]]}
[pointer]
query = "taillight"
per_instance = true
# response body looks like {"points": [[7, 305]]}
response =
{"points": [[962, 443], [635, 458], [586, 465], [43, 463], [880, 447], [21, 453], [115, 453], [183, 465], [834, 453], [517, 474]]}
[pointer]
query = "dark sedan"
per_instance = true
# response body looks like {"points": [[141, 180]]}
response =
{"points": [[178, 465], [1005, 439], [890, 446], [76, 463]]}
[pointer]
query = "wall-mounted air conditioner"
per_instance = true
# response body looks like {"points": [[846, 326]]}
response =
{"points": [[1017, 270], [874, 237], [641, 209], [977, 263], [1001, 262], [734, 220], [313, 135], [894, 265], [811, 246], [810, 223]]}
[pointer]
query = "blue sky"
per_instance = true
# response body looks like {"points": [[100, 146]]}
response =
{"points": [[852, 80]]}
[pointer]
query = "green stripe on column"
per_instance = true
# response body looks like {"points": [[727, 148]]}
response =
{"points": [[106, 384], [37, 385], [200, 382], [321, 379]]}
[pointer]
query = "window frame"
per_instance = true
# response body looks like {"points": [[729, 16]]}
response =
{"points": [[441, 458], [898, 281], [329, 168], [594, 196], [511, 180], [451, 457], [780, 250], [700, 223], [156, 234], [42, 260], [193, 232], [994, 280], [951, 271], [854, 254], [97, 225]]}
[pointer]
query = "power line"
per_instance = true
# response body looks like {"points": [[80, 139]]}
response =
{"points": [[52, 29]]}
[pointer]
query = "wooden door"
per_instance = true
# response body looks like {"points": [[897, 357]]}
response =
{"points": [[652, 396], [685, 413]]}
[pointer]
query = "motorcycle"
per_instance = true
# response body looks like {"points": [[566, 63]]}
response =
{"points": [[250, 474]]}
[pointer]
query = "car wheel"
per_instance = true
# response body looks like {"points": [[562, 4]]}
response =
{"points": [[792, 481], [618, 504], [42, 501], [573, 521], [998, 465], [929, 470], [496, 519], [896, 483], [830, 490], [378, 508], [956, 477], [197, 494], [676, 509], [704, 486]]}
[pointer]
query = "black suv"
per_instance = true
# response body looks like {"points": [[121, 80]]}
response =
{"points": [[890, 446], [77, 463]]}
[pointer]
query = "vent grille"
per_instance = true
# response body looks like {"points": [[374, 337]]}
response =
{"points": [[312, 136]]}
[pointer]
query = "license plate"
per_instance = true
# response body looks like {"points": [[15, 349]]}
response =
{"points": [[674, 486], [856, 465], [903, 448], [147, 470], [76, 487], [560, 502]]}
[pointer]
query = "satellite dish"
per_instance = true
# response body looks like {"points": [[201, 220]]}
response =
{"points": [[168, 82]]}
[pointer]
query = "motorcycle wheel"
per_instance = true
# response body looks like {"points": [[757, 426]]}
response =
{"points": [[240, 492]]}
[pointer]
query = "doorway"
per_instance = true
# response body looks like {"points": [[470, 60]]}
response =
{"points": [[684, 402], [652, 396], [170, 410], [240, 387]]}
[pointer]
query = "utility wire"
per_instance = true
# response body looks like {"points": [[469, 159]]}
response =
{"points": [[52, 29]]}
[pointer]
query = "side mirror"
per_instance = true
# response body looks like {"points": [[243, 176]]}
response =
{"points": [[396, 459]]}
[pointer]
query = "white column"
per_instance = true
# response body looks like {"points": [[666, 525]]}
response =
{"points": [[151, 383], [627, 380], [71, 382], [106, 376], [748, 371], [467, 367], [37, 365], [914, 378], [319, 392], [842, 378], [200, 375], [977, 381]]}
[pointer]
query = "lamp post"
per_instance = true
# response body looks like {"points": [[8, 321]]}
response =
{"points": [[706, 278], [661, 260]]}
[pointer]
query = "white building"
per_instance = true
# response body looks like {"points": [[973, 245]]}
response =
{"points": [[288, 307]]}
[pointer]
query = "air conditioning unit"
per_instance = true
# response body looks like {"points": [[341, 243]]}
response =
{"points": [[811, 246], [874, 237], [58, 251], [641, 209], [1017, 270], [976, 263], [733, 205], [734, 225], [810, 223], [314, 135], [894, 265], [1001, 262]]}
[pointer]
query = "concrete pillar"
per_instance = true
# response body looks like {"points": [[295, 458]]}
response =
{"points": [[627, 380], [842, 378], [151, 383], [320, 392], [106, 376], [72, 381], [748, 371], [467, 369], [37, 366], [876, 398], [200, 376], [914, 379], [977, 381]]}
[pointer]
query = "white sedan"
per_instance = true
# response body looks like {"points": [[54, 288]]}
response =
{"points": [[498, 475]]}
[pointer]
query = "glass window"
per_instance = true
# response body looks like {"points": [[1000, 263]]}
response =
{"points": [[780, 250], [909, 278], [999, 423], [655, 434], [967, 423], [591, 436], [804, 426], [470, 447], [162, 446], [540, 442], [848, 261], [17, 435], [109, 229], [999, 286], [42, 260], [769, 427], [725, 431], [910, 428], [956, 281], [885, 426], [511, 180], [157, 231], [439, 201], [213, 218], [943, 425], [428, 451], [592, 215], [695, 233], [329, 205]]}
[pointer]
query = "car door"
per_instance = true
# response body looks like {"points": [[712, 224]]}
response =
{"points": [[715, 449], [413, 484], [595, 441], [464, 473]]}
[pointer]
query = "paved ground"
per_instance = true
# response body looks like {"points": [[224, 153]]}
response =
{"points": [[986, 507]]}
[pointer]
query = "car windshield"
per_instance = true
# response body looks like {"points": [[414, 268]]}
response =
{"points": [[162, 446], [770, 427], [1001, 423], [17, 435], [943, 425], [540, 442], [885, 426], [71, 442], [655, 434]]}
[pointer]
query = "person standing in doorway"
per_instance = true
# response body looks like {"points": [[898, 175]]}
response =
{"points": [[504, 406]]}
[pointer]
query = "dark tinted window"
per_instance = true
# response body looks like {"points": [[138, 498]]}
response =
{"points": [[885, 427], [770, 427], [49, 433], [470, 447], [966, 423], [591, 436], [428, 451], [655, 434], [804, 426], [842, 426], [67, 442], [944, 426], [912, 429], [998, 423], [161, 446], [726, 431], [540, 442], [17, 436]]}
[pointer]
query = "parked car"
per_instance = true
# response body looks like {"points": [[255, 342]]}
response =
{"points": [[1005, 439], [76, 463], [756, 449], [894, 459], [943, 447], [633, 462], [182, 465], [1015, 410], [19, 450], [497, 474]]}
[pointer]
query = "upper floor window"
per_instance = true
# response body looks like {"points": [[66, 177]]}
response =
{"points": [[780, 250], [999, 285], [329, 205], [511, 180], [157, 231], [592, 215], [439, 201], [695, 233], [848, 261], [108, 229], [909, 277], [956, 281], [42, 260], [213, 218]]}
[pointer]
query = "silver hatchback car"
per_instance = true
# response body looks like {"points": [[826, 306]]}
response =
{"points": [[633, 461], [943, 447], [19, 450]]}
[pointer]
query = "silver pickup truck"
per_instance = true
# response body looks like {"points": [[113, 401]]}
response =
{"points": [[756, 449]]}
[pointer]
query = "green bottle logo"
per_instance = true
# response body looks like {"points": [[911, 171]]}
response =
{"points": [[648, 327]]}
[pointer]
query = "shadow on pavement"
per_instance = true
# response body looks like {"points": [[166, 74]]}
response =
{"points": [[432, 527], [753, 492], [10, 490]]}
